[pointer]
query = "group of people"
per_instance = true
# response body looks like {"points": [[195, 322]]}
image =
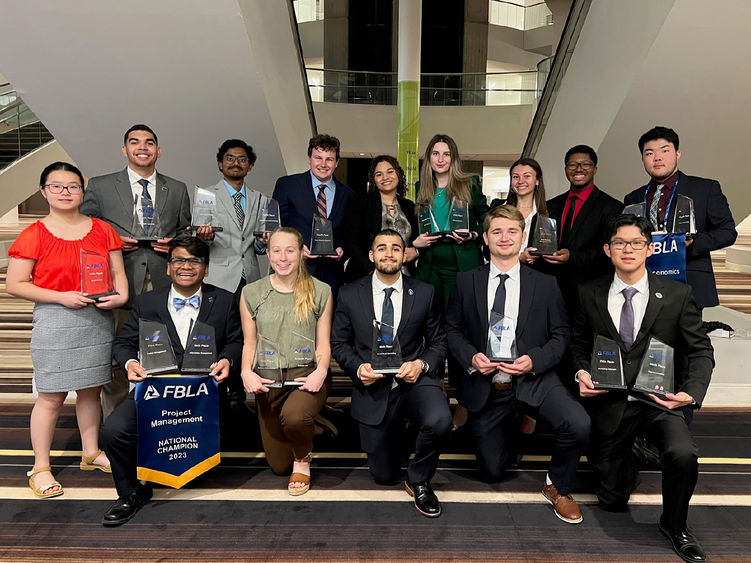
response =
{"points": [[436, 294]]}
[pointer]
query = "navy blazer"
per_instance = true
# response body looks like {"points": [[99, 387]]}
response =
{"points": [[542, 332], [420, 335], [217, 309], [715, 229], [671, 317]]}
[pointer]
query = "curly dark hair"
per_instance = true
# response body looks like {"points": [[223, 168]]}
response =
{"points": [[401, 187]]}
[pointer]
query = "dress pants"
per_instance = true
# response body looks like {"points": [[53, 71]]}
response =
{"points": [[427, 408], [615, 466], [287, 420], [489, 428], [119, 439]]}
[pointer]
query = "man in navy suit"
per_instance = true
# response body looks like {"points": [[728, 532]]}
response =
{"points": [[629, 308], [407, 310], [317, 192], [507, 296], [715, 227], [178, 306]]}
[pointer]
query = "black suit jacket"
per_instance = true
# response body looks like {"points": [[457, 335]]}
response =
{"points": [[217, 309], [671, 317], [363, 222], [297, 205], [715, 229], [542, 332], [420, 335], [588, 260]]}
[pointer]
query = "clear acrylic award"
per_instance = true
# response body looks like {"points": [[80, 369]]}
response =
{"points": [[204, 210], [544, 239], [501, 339], [146, 224], [386, 353], [656, 372], [606, 367], [459, 217], [96, 277], [200, 353], [155, 351], [322, 237], [684, 220], [268, 218]]}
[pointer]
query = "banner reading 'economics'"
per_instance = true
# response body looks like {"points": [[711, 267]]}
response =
{"points": [[669, 257], [178, 428]]}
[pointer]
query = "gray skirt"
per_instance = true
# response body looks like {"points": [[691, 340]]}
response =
{"points": [[71, 349]]}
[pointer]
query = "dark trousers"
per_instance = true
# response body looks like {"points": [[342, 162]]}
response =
{"points": [[119, 439], [427, 408], [489, 428], [615, 467]]}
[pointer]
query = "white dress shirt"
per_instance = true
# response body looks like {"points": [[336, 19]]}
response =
{"points": [[511, 307], [185, 318], [137, 190], [396, 299], [638, 301]]}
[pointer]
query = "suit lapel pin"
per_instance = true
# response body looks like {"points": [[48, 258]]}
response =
{"points": [[411, 291], [658, 295], [211, 299]]}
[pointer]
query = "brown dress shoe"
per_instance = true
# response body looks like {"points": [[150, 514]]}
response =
{"points": [[563, 505]]}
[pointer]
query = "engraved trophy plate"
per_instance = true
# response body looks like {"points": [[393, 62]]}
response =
{"points": [[638, 209], [303, 355], [268, 362], [322, 237], [606, 367], [155, 351], [684, 220], [96, 277], [200, 353], [656, 372], [459, 218], [204, 210], [501, 340], [544, 239], [268, 216], [146, 226], [426, 222], [386, 353]]}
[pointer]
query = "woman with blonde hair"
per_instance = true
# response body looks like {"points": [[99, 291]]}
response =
{"points": [[442, 181], [287, 315]]}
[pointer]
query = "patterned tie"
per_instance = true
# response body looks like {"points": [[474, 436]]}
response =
{"points": [[194, 302], [655, 206], [387, 313], [626, 328], [147, 207], [321, 200], [568, 223], [498, 311], [238, 205]]}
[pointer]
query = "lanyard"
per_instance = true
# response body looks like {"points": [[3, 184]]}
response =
{"points": [[670, 201]]}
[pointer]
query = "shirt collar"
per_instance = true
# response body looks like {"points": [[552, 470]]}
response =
{"points": [[379, 286], [618, 285], [513, 273], [583, 194], [133, 177], [233, 191], [667, 182], [174, 294], [331, 184]]}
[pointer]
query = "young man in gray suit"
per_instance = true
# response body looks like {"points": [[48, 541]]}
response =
{"points": [[119, 197]]}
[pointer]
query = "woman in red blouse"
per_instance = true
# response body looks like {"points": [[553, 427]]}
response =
{"points": [[71, 337]]}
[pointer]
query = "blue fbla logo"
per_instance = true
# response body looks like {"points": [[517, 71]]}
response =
{"points": [[94, 266], [500, 327], [657, 356], [202, 337], [303, 351], [386, 339], [666, 246], [606, 353], [206, 202], [267, 353], [156, 337]]}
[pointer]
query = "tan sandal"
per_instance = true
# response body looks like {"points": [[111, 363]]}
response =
{"points": [[299, 478], [87, 463], [44, 492]]}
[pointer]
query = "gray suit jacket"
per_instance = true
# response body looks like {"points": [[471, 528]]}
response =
{"points": [[233, 249], [110, 198]]}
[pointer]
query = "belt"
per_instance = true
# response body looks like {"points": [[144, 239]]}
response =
{"points": [[502, 386]]}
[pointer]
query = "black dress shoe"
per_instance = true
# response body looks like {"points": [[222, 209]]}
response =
{"points": [[126, 507], [426, 502], [685, 545]]}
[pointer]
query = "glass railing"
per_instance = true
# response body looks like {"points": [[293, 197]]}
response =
{"points": [[20, 130], [518, 15], [380, 88]]}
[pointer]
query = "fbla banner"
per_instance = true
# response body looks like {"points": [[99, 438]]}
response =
{"points": [[669, 257], [178, 428]]}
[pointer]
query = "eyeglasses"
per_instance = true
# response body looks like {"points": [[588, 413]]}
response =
{"points": [[186, 261], [230, 158], [58, 188], [584, 165], [621, 244]]}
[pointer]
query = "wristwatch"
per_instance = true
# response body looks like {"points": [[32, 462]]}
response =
{"points": [[425, 366]]}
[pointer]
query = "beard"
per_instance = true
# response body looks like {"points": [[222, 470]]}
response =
{"points": [[388, 268]]}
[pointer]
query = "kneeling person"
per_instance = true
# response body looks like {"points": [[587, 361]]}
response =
{"points": [[380, 402], [177, 307], [532, 303]]}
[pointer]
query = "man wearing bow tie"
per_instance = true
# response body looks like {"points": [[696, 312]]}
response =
{"points": [[178, 307], [629, 308]]}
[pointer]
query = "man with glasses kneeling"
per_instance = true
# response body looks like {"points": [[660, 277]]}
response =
{"points": [[178, 307]]}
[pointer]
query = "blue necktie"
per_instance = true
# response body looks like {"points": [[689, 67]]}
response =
{"points": [[387, 313], [194, 302], [147, 207]]}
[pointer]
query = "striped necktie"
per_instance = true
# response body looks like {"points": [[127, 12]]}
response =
{"points": [[321, 200]]}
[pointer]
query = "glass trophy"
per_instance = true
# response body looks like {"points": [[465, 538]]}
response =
{"points": [[268, 362], [96, 278], [303, 356], [606, 367], [204, 210], [386, 353], [544, 239], [200, 352], [155, 352], [459, 217], [638, 209], [501, 339], [426, 222], [268, 218], [684, 220], [146, 225], [322, 237], [656, 369]]}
